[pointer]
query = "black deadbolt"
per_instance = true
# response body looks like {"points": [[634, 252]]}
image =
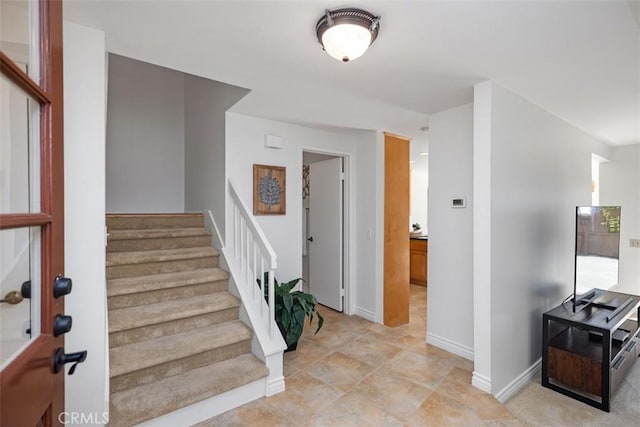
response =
{"points": [[62, 325], [61, 286], [25, 289]]}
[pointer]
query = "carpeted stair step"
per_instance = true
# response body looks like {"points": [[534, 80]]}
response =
{"points": [[135, 324], [158, 398], [154, 239], [140, 263], [154, 221], [147, 361], [140, 290]]}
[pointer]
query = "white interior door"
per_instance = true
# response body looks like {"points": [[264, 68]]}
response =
{"points": [[325, 232]]}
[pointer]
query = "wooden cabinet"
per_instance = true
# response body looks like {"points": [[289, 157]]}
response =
{"points": [[418, 250]]}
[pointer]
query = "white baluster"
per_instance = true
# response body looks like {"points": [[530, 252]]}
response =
{"points": [[271, 302]]}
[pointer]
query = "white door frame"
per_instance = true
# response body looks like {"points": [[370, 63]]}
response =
{"points": [[348, 237]]}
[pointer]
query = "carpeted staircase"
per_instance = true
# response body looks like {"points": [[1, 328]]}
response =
{"points": [[175, 337]]}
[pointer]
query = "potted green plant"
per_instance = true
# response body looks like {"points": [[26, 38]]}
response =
{"points": [[291, 309]]}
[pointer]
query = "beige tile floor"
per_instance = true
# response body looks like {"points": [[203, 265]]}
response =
{"points": [[358, 373]]}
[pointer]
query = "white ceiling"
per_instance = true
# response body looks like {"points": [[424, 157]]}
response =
{"points": [[580, 60]]}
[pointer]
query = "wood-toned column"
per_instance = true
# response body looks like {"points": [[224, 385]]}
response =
{"points": [[396, 230]]}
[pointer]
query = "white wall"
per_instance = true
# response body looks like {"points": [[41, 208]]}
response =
{"points": [[84, 151], [450, 289], [482, 237], [145, 137], [620, 186], [540, 169], [368, 225], [205, 104], [419, 182], [245, 147], [419, 192]]}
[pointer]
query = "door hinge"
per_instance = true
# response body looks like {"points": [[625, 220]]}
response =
{"points": [[342, 292], [342, 176]]}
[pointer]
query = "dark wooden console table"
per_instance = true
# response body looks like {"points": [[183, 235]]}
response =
{"points": [[587, 354]]}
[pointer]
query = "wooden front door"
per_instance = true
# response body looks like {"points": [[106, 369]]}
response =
{"points": [[31, 213]]}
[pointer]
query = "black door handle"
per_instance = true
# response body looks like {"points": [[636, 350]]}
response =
{"points": [[310, 239], [60, 358]]}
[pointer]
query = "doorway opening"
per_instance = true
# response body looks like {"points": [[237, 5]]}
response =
{"points": [[325, 205]]}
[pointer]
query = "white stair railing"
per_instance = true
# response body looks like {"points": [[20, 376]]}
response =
{"points": [[248, 255], [253, 256]]}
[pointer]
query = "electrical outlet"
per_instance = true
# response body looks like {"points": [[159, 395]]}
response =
{"points": [[634, 243]]}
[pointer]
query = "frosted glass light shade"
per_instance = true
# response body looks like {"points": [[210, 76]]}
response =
{"points": [[346, 42], [346, 34]]}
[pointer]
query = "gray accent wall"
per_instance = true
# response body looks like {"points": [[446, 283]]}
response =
{"points": [[145, 137], [206, 102], [166, 139]]}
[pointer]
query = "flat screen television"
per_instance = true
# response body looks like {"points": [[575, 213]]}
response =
{"points": [[597, 251]]}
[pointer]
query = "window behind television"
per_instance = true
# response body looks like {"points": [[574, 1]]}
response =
{"points": [[597, 248]]}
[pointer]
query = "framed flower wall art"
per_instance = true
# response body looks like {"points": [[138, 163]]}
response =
{"points": [[269, 190]]}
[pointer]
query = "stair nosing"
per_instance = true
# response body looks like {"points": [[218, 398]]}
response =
{"points": [[163, 347], [169, 311], [156, 233], [159, 255], [153, 215], [153, 282]]}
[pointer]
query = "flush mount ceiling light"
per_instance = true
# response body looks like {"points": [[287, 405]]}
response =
{"points": [[346, 34]]}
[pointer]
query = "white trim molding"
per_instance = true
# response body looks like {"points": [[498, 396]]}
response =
{"points": [[275, 386], [366, 314], [481, 382], [519, 382], [450, 346]]}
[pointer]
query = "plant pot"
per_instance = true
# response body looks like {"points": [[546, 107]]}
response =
{"points": [[292, 347]]}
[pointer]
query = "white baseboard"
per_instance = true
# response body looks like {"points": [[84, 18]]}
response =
{"points": [[275, 386], [519, 383], [450, 346], [481, 382], [369, 315], [201, 411]]}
